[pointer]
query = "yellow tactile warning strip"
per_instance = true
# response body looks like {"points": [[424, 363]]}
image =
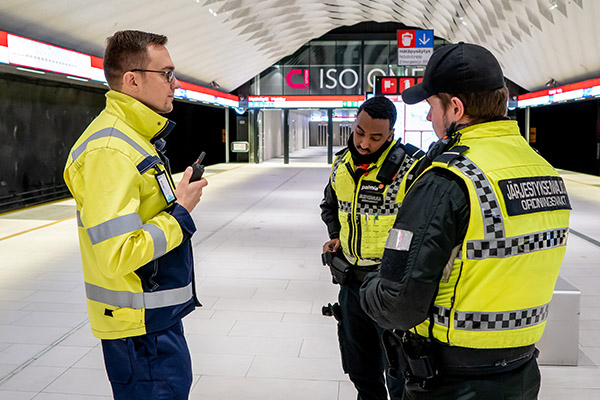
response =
{"points": [[66, 219], [35, 229]]}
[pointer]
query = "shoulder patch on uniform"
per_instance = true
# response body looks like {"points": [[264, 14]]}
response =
{"points": [[534, 194]]}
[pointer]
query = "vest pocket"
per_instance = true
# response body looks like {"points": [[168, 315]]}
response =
{"points": [[128, 315]]}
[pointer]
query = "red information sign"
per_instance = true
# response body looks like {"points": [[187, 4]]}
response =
{"points": [[388, 86]]}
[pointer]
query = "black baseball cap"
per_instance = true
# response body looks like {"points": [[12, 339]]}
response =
{"points": [[455, 69]]}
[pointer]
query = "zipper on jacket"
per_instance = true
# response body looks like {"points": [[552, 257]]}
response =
{"points": [[355, 219], [356, 224], [350, 246]]}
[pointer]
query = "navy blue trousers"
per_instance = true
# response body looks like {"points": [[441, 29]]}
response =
{"points": [[363, 358], [154, 366]]}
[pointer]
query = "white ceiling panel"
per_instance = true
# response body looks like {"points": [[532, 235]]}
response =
{"points": [[230, 41]]}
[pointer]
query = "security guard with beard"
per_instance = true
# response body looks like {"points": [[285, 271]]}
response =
{"points": [[470, 265], [359, 208]]}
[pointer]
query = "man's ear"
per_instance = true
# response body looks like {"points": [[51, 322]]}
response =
{"points": [[391, 137], [457, 108], [129, 82]]}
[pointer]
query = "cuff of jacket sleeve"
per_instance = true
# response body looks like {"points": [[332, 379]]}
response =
{"points": [[185, 220]]}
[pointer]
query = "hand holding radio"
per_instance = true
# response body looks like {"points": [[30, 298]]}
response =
{"points": [[188, 195], [198, 168]]}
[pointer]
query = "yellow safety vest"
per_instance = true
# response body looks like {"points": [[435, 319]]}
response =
{"points": [[367, 208], [495, 293], [126, 225]]}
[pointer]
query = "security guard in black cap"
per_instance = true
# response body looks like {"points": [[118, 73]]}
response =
{"points": [[470, 265], [359, 208]]}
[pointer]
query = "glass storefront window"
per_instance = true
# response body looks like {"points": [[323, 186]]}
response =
{"points": [[376, 52], [329, 67], [322, 53], [271, 81], [348, 53], [300, 58]]}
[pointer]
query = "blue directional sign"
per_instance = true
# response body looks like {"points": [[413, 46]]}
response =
{"points": [[424, 38]]}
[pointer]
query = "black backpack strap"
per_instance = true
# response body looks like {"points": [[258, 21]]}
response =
{"points": [[448, 156]]}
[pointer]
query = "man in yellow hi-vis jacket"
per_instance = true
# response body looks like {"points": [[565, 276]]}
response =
{"points": [[134, 226], [359, 207], [470, 264]]}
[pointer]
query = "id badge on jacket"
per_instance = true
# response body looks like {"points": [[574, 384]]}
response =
{"points": [[165, 187]]}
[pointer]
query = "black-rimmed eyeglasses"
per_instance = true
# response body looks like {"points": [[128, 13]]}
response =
{"points": [[169, 75]]}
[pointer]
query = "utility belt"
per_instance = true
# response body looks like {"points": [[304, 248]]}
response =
{"points": [[422, 360], [342, 271]]}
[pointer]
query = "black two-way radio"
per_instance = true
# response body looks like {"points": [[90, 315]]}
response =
{"points": [[198, 168]]}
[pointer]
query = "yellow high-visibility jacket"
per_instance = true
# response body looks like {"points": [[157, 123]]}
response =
{"points": [[135, 240], [495, 293], [367, 207]]}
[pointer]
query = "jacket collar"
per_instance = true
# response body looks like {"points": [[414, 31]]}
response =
{"points": [[489, 129], [138, 116], [376, 158]]}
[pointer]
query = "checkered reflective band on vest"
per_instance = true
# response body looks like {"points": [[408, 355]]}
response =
{"points": [[389, 207], [495, 244], [491, 321], [345, 206], [336, 164]]}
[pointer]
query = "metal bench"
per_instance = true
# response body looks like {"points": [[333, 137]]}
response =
{"points": [[559, 344]]}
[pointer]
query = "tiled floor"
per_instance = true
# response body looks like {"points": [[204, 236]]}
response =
{"points": [[260, 334]]}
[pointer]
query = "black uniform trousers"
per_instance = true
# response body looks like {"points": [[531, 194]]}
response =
{"points": [[522, 383], [363, 358]]}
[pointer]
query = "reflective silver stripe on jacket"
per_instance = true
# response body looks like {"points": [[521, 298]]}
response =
{"points": [[114, 227], [148, 162], [491, 321], [124, 299], [78, 215], [159, 239], [127, 224], [495, 244], [109, 132]]}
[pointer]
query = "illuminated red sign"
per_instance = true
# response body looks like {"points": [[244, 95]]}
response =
{"points": [[389, 86], [39, 56], [393, 85], [303, 72], [406, 39]]}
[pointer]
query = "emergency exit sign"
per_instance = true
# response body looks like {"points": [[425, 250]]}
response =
{"points": [[414, 46]]}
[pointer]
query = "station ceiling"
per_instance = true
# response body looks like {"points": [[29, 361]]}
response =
{"points": [[231, 41]]}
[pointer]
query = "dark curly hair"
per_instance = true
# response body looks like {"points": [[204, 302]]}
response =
{"points": [[380, 107]]}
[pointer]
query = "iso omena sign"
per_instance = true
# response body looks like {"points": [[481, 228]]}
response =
{"points": [[415, 47]]}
